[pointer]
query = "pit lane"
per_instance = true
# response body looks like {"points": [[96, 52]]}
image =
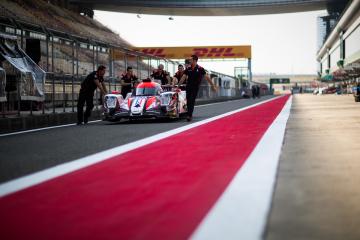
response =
{"points": [[30, 152]]}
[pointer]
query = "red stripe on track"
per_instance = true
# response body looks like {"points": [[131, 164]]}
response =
{"points": [[159, 191]]}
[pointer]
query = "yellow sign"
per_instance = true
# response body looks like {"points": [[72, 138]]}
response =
{"points": [[213, 52]]}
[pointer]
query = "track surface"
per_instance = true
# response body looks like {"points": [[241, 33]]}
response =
{"points": [[161, 190], [31, 152]]}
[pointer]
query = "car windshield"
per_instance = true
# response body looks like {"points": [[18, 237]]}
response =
{"points": [[145, 91]]}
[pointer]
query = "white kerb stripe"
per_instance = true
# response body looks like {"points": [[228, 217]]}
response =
{"points": [[41, 129], [241, 212], [48, 174]]}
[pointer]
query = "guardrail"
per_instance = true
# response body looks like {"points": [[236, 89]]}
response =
{"points": [[67, 59], [61, 95]]}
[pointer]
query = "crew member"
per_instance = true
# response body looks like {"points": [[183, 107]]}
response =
{"points": [[128, 81], [161, 75], [253, 91], [187, 63], [178, 75], [194, 75], [88, 86]]}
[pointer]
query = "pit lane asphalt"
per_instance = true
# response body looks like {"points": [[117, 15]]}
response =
{"points": [[27, 153]]}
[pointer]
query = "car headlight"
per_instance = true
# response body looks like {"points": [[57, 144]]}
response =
{"points": [[110, 101]]}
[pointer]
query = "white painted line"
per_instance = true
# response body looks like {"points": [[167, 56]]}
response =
{"points": [[241, 212], [41, 129], [209, 104], [62, 169]]}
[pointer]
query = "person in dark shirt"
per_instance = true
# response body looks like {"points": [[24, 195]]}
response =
{"points": [[187, 63], [253, 91], [88, 86], [161, 75], [194, 74], [128, 82], [178, 75], [257, 91]]}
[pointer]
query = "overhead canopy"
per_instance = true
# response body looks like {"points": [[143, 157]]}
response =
{"points": [[203, 52], [32, 77], [208, 7]]}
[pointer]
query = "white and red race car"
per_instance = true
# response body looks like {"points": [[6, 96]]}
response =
{"points": [[149, 100]]}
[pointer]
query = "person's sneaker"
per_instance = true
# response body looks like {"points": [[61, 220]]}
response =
{"points": [[79, 123], [189, 118], [86, 120]]}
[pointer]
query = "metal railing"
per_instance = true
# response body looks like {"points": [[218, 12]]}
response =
{"points": [[67, 59]]}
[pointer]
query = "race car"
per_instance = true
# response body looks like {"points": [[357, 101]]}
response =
{"points": [[149, 100]]}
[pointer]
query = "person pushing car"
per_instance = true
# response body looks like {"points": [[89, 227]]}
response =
{"points": [[88, 86], [161, 75], [128, 81], [193, 76]]}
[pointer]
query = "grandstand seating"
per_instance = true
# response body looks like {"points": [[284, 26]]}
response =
{"points": [[37, 15], [46, 14]]}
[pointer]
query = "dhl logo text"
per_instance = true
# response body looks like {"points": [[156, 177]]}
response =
{"points": [[201, 52], [213, 52], [154, 51]]}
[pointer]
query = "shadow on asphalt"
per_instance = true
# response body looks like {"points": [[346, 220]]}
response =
{"points": [[146, 121]]}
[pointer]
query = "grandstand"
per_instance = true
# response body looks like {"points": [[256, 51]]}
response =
{"points": [[70, 46], [58, 57], [48, 15]]}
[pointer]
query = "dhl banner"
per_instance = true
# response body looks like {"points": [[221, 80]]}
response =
{"points": [[202, 52]]}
